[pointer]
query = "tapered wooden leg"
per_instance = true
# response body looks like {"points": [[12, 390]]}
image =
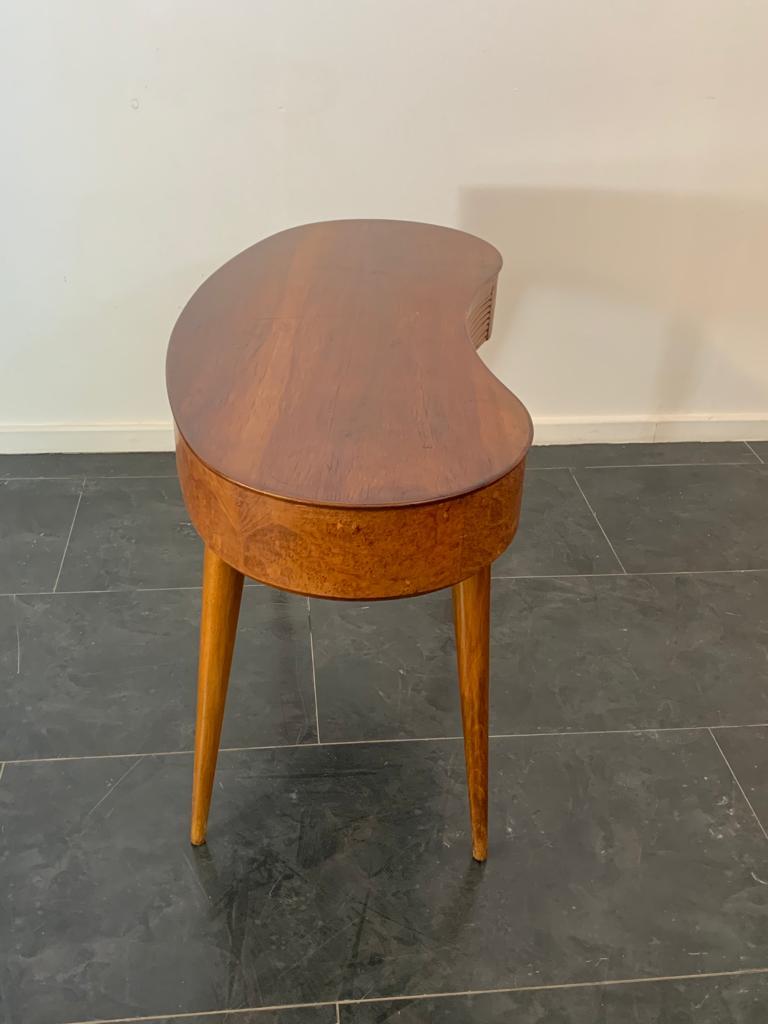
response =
{"points": [[222, 590], [471, 613]]}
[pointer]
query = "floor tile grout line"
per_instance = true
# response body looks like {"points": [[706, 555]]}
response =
{"points": [[122, 590], [90, 476], [661, 465], [511, 735], [15, 610], [619, 732], [601, 983], [75, 476], [69, 535], [235, 750], [523, 576], [600, 525], [338, 1014], [314, 676], [376, 742], [693, 572], [738, 783], [758, 457], [555, 986], [640, 465], [69, 758], [621, 575], [2, 770], [161, 476], [531, 468], [642, 731], [251, 584], [114, 786], [650, 572], [196, 1014], [568, 576]]}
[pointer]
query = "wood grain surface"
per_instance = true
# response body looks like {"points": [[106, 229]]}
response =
{"points": [[222, 592], [335, 364], [472, 616], [357, 553]]}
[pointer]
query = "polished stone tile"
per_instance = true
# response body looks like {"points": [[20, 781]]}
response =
{"points": [[683, 518], [658, 454], [742, 999], [132, 533], [386, 669], [86, 674], [629, 652], [35, 519], [557, 534], [345, 872], [747, 754], [89, 464], [618, 652]]}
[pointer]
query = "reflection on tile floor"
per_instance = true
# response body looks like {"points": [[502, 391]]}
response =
{"points": [[339, 872], [111, 673], [569, 654]]}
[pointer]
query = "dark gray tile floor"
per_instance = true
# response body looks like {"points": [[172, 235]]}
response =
{"points": [[628, 870], [131, 532], [109, 673], [35, 519], [672, 518]]}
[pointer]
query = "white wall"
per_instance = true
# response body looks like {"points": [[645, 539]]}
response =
{"points": [[615, 150]]}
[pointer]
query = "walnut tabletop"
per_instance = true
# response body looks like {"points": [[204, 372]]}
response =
{"points": [[337, 435], [334, 364]]}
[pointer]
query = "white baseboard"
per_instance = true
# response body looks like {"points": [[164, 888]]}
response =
{"points": [[626, 429], [18, 438], [158, 437]]}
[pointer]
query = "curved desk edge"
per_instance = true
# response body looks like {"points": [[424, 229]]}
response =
{"points": [[352, 553]]}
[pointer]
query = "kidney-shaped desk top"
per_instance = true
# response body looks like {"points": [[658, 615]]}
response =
{"points": [[333, 366]]}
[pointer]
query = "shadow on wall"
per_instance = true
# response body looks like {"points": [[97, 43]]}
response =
{"points": [[658, 298]]}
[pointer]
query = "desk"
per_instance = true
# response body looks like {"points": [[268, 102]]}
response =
{"points": [[338, 436]]}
